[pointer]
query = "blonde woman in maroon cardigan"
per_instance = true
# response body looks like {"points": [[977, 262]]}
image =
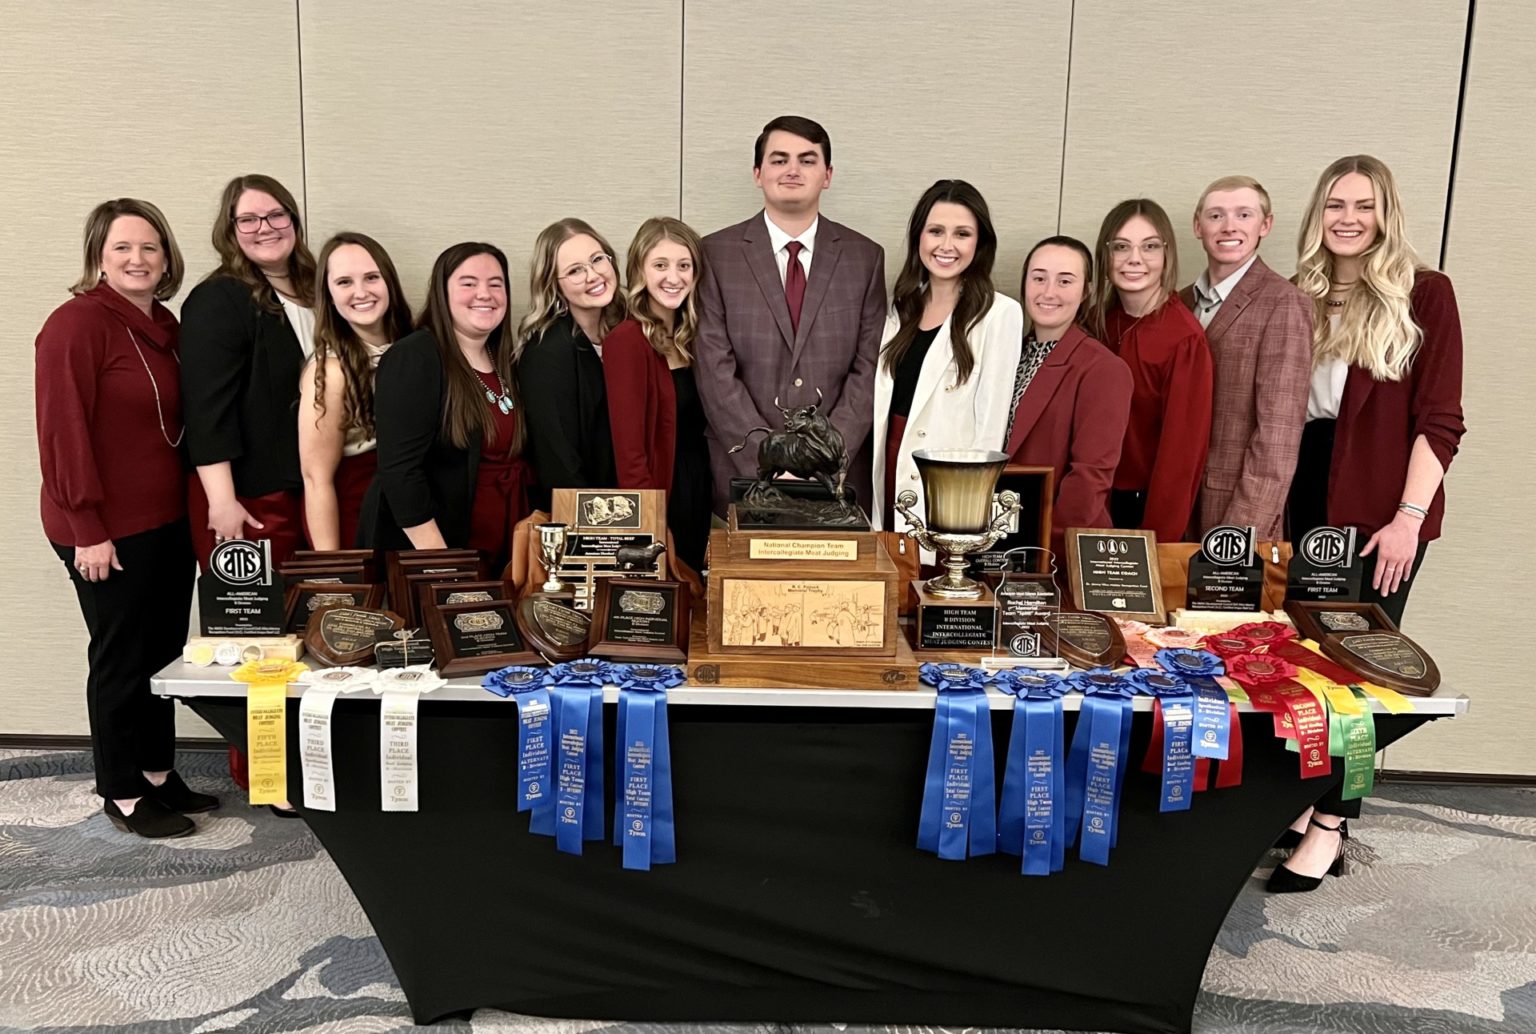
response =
{"points": [[109, 433], [1384, 417], [654, 411]]}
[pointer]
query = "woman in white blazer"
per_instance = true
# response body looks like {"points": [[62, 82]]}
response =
{"points": [[950, 348]]}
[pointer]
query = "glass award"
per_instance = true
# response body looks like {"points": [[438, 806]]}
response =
{"points": [[1029, 611]]}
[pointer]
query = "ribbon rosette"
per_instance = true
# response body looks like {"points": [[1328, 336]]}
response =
{"points": [[269, 671], [589, 671], [1265, 631], [1259, 669], [417, 678], [959, 810], [1030, 821], [648, 676], [1216, 735], [1171, 750], [1272, 686], [1227, 644], [342, 680], [646, 829], [505, 682], [1096, 762], [948, 676], [1173, 637]]}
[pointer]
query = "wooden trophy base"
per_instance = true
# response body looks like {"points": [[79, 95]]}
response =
{"points": [[776, 670], [941, 625]]}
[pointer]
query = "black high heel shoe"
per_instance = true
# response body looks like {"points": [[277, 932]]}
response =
{"points": [[1285, 881], [1290, 839]]}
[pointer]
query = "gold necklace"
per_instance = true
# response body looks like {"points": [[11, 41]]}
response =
{"points": [[155, 387]]}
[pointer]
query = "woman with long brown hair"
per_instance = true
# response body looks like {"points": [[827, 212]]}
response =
{"points": [[246, 332], [360, 311], [653, 404], [1384, 417], [109, 432], [950, 346], [449, 418], [575, 300], [1138, 315]]}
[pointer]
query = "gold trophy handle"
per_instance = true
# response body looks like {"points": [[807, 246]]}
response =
{"points": [[905, 500], [1009, 501]]}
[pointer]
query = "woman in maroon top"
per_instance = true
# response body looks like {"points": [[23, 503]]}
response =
{"points": [[1071, 395], [653, 406], [1384, 416], [109, 432], [247, 331], [1140, 317], [361, 312]]}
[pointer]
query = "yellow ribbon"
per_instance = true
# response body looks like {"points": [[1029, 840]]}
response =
{"points": [[1339, 697], [266, 725], [1391, 699]]}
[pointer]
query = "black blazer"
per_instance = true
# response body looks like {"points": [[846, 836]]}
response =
{"points": [[422, 476], [565, 405], [240, 367]]}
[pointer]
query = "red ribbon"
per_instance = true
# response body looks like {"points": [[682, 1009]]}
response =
{"points": [[1229, 773], [1270, 682]]}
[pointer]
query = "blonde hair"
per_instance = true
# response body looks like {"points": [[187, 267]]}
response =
{"points": [[546, 303], [1104, 294], [1376, 329], [99, 223], [1235, 183], [651, 233]]}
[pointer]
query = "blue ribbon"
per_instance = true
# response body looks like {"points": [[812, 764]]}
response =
{"points": [[1030, 820], [646, 831], [1096, 763], [578, 724], [959, 810], [1212, 734], [589, 671], [534, 759], [1176, 697]]}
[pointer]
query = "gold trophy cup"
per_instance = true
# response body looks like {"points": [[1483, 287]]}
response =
{"points": [[958, 486]]}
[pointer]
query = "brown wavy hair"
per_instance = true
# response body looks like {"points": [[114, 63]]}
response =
{"points": [[334, 336], [1103, 282], [651, 233], [465, 414], [99, 223], [976, 290], [232, 261]]}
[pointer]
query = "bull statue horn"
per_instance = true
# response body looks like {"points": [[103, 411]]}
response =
{"points": [[819, 398]]}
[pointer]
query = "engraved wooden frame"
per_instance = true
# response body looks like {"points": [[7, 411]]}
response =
{"points": [[1075, 582], [449, 661], [367, 596], [315, 642], [674, 651]]}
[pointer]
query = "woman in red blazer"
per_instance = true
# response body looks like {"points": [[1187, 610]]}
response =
{"points": [[654, 411], [1138, 314], [1072, 396], [1383, 417]]}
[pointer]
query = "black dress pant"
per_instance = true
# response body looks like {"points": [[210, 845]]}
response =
{"points": [[137, 619], [1307, 508]]}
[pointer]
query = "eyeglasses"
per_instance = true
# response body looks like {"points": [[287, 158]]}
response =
{"points": [[249, 224], [1120, 249], [582, 270]]}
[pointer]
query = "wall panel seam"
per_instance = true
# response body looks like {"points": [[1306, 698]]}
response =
{"points": [[682, 88], [1461, 107], [1066, 110], [298, 50]]}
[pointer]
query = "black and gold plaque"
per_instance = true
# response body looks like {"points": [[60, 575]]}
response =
{"points": [[304, 598], [641, 620], [1363, 639], [345, 634], [1115, 572], [474, 638]]}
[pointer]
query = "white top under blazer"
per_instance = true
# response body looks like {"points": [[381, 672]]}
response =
{"points": [[946, 414]]}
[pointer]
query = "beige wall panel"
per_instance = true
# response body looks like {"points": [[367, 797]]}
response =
{"points": [[1165, 98], [1472, 608], [159, 101], [907, 96], [488, 120]]}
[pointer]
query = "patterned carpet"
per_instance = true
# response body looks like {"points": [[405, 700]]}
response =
{"points": [[247, 926]]}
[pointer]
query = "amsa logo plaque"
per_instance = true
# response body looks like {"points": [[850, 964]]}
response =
{"points": [[1227, 545], [242, 562], [1329, 547]]}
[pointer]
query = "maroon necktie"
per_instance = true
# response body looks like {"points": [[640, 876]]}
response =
{"points": [[794, 283]]}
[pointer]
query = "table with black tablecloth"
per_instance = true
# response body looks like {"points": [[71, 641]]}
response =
{"points": [[798, 893]]}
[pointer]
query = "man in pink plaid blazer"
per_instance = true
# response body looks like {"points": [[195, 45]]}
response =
{"points": [[791, 303], [1259, 327]]}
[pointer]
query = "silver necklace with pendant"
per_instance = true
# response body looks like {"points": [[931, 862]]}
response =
{"points": [[503, 401]]}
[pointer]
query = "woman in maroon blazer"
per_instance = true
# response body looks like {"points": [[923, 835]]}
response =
{"points": [[1072, 396], [653, 406], [109, 434], [1383, 418]]}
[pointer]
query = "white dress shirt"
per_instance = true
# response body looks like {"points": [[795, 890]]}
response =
{"points": [[1208, 299], [780, 241], [1328, 378], [302, 321]]}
